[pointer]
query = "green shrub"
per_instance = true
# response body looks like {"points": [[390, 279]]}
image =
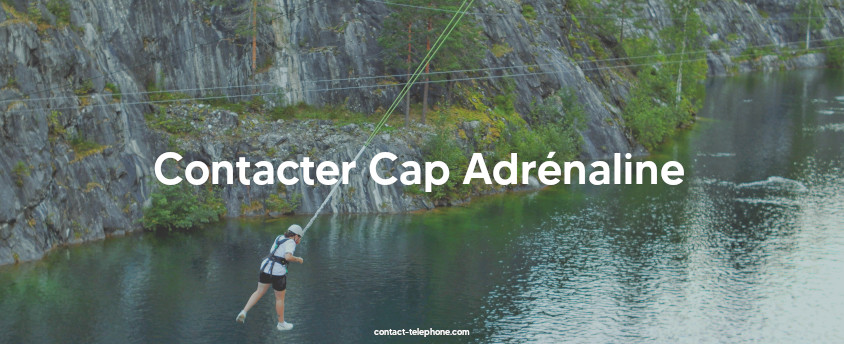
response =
{"points": [[233, 107], [86, 87], [717, 45], [277, 204], [34, 12], [114, 89], [652, 112], [528, 12], [504, 103], [444, 147], [649, 121], [640, 50], [171, 124], [180, 206], [562, 107], [21, 170], [256, 104], [54, 125], [281, 112], [83, 146], [266, 64], [60, 9], [499, 50], [554, 126], [157, 92], [754, 53], [164, 96], [835, 53]]}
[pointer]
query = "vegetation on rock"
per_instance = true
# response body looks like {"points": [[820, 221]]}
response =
{"points": [[182, 206]]}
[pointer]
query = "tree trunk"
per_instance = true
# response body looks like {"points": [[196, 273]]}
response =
{"points": [[427, 69], [682, 53], [425, 99], [808, 26], [254, 33], [407, 95]]}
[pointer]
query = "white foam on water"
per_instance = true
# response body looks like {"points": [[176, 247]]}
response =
{"points": [[837, 127], [826, 112], [717, 155], [820, 101], [840, 98], [785, 202], [713, 181], [776, 183]]}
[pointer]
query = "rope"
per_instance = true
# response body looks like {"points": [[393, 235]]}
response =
{"points": [[455, 19]]}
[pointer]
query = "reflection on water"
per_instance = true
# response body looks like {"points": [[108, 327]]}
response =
{"points": [[749, 248]]}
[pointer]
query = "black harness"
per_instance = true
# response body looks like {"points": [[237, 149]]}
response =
{"points": [[272, 258]]}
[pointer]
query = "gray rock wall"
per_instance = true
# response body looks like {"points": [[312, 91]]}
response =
{"points": [[320, 141], [54, 81]]}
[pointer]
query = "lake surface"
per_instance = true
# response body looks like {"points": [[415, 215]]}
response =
{"points": [[749, 248]]}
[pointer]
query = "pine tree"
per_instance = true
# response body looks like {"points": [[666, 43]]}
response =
{"points": [[397, 40], [247, 18], [624, 11], [409, 33]]}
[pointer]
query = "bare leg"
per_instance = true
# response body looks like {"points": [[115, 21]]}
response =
{"points": [[262, 288], [279, 305]]}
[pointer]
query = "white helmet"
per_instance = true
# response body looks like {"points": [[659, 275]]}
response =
{"points": [[296, 229]]}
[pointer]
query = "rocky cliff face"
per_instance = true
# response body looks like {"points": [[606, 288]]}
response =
{"points": [[225, 136], [76, 154]]}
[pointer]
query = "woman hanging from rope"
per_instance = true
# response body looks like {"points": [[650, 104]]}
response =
{"points": [[294, 234], [274, 271]]}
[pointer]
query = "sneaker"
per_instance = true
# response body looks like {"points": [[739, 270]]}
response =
{"points": [[241, 317], [284, 326]]}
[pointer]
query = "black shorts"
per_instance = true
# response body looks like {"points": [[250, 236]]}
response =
{"points": [[279, 282]]}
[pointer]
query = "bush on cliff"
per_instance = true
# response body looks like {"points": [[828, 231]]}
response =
{"points": [[668, 91], [555, 124], [180, 206], [444, 147], [835, 53], [652, 113]]}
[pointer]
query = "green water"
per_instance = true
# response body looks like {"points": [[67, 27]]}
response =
{"points": [[749, 248]]}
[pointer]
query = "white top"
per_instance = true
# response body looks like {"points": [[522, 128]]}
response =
{"points": [[277, 269]]}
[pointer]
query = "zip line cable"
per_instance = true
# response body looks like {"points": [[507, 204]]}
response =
{"points": [[578, 15], [387, 76], [368, 86], [455, 19], [197, 46], [488, 77]]}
